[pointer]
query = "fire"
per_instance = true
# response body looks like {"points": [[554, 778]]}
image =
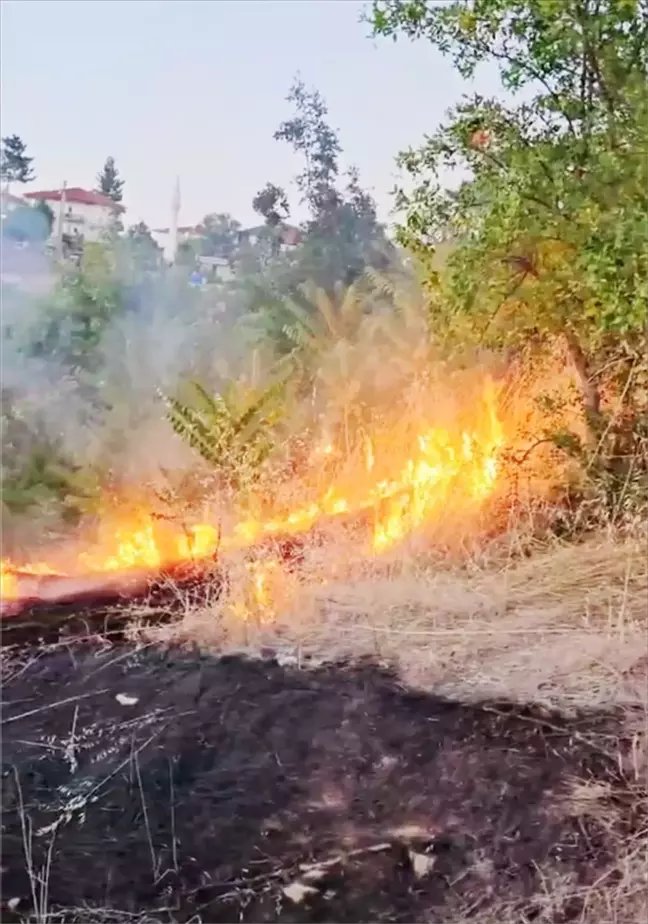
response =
{"points": [[404, 478], [8, 582]]}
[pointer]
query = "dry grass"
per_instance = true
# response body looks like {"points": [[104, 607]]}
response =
{"points": [[566, 626]]}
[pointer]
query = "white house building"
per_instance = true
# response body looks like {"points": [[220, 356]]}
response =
{"points": [[82, 212]]}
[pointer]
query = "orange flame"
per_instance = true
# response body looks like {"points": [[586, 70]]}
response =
{"points": [[404, 478]]}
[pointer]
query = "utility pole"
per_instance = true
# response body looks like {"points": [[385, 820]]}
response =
{"points": [[61, 214], [173, 229]]}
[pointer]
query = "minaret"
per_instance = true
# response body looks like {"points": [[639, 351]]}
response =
{"points": [[173, 229]]}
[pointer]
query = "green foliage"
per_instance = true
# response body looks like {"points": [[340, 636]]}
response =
{"points": [[311, 321], [29, 223], [142, 248], [88, 299], [37, 472], [15, 165], [310, 135], [232, 431], [271, 203], [109, 182], [342, 236], [550, 231], [48, 215], [220, 236]]}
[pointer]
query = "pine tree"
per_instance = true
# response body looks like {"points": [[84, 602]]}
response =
{"points": [[109, 182], [15, 166]]}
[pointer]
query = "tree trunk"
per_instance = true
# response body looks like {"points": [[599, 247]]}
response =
{"points": [[589, 389], [590, 394]]}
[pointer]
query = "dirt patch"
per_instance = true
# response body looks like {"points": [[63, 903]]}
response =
{"points": [[198, 788]]}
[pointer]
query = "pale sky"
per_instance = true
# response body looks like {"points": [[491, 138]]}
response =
{"points": [[197, 88]]}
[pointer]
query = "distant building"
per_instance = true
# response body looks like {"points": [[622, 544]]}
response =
{"points": [[86, 214], [184, 233], [288, 235]]}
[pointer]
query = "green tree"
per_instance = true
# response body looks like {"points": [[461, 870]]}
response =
{"points": [[221, 235], [271, 203], [310, 135], [36, 471], [109, 182], [142, 247], [29, 223], [70, 328], [42, 208], [342, 236], [15, 165], [550, 231]]}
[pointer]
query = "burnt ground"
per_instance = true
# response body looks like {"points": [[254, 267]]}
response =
{"points": [[247, 789]]}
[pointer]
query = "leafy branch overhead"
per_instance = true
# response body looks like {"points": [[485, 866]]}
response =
{"points": [[549, 231]]}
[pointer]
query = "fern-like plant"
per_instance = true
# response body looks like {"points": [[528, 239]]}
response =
{"points": [[233, 431]]}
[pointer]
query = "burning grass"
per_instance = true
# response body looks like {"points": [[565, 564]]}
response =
{"points": [[439, 466], [447, 721]]}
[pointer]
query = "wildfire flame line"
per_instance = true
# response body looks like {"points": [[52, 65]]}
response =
{"points": [[441, 462]]}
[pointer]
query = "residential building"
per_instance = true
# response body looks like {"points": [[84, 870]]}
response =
{"points": [[289, 236], [78, 213], [184, 233]]}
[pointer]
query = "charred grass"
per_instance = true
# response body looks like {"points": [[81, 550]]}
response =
{"points": [[425, 744]]}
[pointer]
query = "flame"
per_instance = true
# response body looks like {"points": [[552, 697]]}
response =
{"points": [[8, 582], [404, 478]]}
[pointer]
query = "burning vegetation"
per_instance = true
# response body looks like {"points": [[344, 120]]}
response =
{"points": [[358, 459], [436, 462]]}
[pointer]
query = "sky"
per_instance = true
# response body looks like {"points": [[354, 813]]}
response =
{"points": [[197, 88]]}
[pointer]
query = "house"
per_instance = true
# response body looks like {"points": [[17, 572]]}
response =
{"points": [[289, 236], [184, 233], [84, 213]]}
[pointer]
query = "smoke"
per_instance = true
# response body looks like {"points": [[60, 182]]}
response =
{"points": [[88, 357], [102, 410]]}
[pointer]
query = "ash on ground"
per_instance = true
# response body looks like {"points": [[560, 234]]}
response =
{"points": [[177, 787]]}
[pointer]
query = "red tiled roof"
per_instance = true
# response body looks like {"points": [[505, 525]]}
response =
{"points": [[75, 194]]}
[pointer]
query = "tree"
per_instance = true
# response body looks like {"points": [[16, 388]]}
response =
{"points": [[15, 165], [29, 223], [48, 216], [221, 235], [310, 135], [550, 232], [109, 182], [36, 470], [142, 246], [271, 203], [89, 299], [342, 236]]}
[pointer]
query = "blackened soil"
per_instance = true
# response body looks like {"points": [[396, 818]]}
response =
{"points": [[33, 623], [202, 795]]}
